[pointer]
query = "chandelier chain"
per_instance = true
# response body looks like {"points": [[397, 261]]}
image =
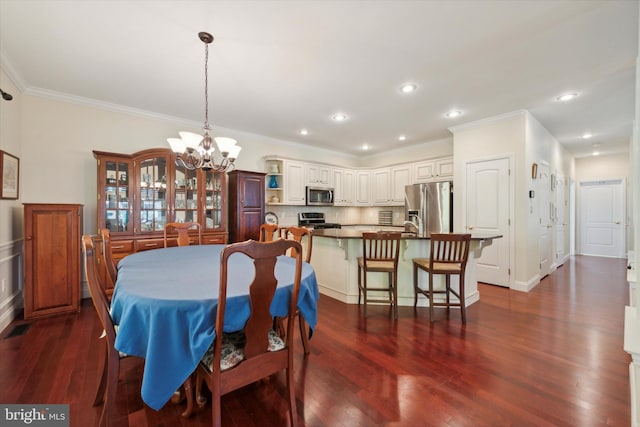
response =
{"points": [[206, 86]]}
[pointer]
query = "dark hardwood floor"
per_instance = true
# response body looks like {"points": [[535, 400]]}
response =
{"points": [[550, 357]]}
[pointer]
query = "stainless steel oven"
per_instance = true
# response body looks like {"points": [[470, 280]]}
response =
{"points": [[317, 196]]}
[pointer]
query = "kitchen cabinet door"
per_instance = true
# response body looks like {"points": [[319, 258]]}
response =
{"points": [[381, 188], [318, 175], [400, 177], [343, 181], [363, 188], [294, 188]]}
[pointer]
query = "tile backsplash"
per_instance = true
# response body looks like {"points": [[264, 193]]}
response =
{"points": [[288, 215]]}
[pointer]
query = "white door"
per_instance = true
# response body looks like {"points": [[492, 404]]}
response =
{"points": [[560, 219], [602, 213], [488, 211], [546, 208]]}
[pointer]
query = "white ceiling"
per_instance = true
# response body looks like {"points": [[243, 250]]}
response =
{"points": [[278, 66]]}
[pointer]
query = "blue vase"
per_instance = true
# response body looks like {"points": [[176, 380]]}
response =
{"points": [[273, 182]]}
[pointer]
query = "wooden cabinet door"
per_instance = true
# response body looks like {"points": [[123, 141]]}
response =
{"points": [[246, 205], [52, 235]]}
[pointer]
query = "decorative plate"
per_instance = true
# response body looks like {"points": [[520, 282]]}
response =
{"points": [[270, 218]]}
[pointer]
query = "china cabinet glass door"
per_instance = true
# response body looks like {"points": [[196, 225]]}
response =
{"points": [[116, 197], [186, 195], [213, 200], [153, 194]]}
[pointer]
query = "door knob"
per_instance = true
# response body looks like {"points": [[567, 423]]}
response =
{"points": [[617, 222], [470, 227]]}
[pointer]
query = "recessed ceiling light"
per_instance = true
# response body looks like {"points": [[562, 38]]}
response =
{"points": [[408, 88], [587, 135], [365, 147], [567, 97], [453, 113], [596, 153], [339, 117], [402, 138], [304, 132]]}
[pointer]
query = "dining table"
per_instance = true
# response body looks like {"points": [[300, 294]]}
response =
{"points": [[164, 305]]}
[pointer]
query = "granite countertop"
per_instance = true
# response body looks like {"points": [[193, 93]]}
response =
{"points": [[340, 233]]}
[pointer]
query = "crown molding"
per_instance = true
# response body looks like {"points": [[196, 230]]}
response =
{"points": [[488, 120], [11, 72]]}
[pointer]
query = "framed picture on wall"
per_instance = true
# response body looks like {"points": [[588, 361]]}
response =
{"points": [[9, 175]]}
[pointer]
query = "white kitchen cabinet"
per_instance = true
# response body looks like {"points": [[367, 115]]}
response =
{"points": [[363, 188], [400, 177], [433, 170], [424, 171], [294, 183], [388, 185], [444, 169], [318, 175], [381, 188], [343, 182]]}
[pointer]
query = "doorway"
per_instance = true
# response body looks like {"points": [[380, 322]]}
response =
{"points": [[488, 210], [602, 218]]}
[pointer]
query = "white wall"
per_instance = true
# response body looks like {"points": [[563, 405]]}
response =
{"points": [[10, 210], [521, 136], [502, 136]]}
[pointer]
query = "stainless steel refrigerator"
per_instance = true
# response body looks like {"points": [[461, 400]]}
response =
{"points": [[429, 208]]}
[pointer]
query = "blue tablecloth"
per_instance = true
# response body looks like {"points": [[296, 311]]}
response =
{"points": [[165, 302]]}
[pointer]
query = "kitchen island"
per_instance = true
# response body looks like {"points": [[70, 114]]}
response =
{"points": [[335, 253]]}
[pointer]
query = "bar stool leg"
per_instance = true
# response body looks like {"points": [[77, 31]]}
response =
{"points": [[430, 296], [415, 285]]}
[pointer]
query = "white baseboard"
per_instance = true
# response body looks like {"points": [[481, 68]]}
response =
{"points": [[9, 309]]}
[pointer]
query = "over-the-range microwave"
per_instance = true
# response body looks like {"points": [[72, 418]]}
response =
{"points": [[317, 196]]}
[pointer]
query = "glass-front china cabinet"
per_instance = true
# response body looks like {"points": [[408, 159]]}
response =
{"points": [[141, 192]]}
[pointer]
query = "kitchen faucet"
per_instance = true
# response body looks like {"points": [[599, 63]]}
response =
{"points": [[419, 227]]}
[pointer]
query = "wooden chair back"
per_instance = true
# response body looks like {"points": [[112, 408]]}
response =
{"points": [[182, 228], [380, 247], [268, 232], [258, 362], [106, 257], [109, 381], [449, 253], [298, 234]]}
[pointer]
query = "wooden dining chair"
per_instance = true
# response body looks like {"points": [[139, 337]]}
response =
{"points": [[448, 256], [182, 228], [235, 360], [380, 252], [301, 235], [298, 234], [268, 232], [106, 258], [108, 386]]}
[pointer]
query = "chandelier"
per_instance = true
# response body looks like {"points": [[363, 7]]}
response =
{"points": [[197, 151]]}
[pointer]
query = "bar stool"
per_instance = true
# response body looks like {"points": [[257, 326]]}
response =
{"points": [[380, 253], [448, 256]]}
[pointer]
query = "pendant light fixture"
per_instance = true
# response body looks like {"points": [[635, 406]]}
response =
{"points": [[197, 151]]}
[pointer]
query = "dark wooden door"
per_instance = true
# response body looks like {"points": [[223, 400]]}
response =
{"points": [[246, 205]]}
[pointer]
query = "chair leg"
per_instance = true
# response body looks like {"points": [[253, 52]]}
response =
{"points": [[430, 297], [415, 285], [113, 368], [188, 391], [103, 382], [463, 308], [447, 289], [395, 294], [293, 414], [304, 335], [359, 284]]}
